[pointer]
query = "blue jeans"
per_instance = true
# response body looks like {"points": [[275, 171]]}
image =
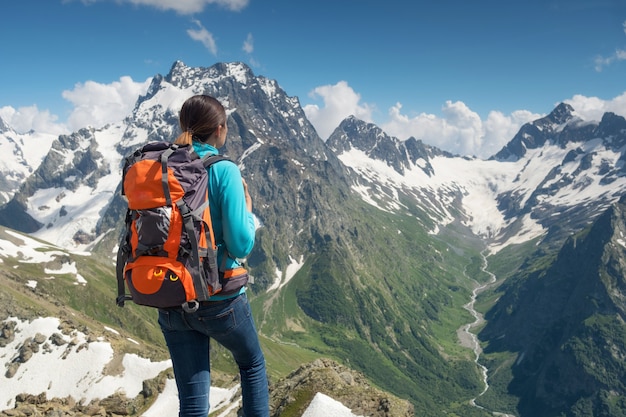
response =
{"points": [[230, 323]]}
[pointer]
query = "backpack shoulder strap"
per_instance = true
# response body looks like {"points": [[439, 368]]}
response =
{"points": [[209, 160]]}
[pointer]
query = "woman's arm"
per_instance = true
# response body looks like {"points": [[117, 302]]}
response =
{"points": [[236, 207]]}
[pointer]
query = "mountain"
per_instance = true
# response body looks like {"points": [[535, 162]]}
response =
{"points": [[586, 175], [557, 176], [555, 168], [23, 154], [564, 322], [309, 221], [369, 247]]}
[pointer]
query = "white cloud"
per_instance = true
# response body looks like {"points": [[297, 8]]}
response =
{"points": [[29, 118], [204, 36], [592, 108], [499, 129], [248, 44], [340, 101], [603, 62], [248, 48], [619, 55], [459, 129], [95, 105], [98, 104], [186, 7]]}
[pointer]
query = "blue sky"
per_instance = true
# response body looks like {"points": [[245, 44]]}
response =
{"points": [[461, 75]]}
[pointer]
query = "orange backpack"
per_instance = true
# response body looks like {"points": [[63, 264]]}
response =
{"points": [[167, 254]]}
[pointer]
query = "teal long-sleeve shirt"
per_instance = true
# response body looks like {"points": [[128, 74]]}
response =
{"points": [[233, 224]]}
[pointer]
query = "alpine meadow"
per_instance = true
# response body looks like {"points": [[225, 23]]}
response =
{"points": [[391, 276]]}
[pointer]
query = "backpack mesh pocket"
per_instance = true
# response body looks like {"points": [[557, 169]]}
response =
{"points": [[159, 282]]}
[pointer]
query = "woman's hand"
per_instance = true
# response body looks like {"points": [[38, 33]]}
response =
{"points": [[247, 195]]}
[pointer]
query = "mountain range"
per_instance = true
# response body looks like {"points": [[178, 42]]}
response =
{"points": [[369, 247]]}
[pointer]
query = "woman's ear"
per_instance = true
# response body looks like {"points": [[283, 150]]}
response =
{"points": [[221, 131], [218, 137]]}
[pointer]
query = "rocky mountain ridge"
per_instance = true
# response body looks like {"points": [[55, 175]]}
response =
{"points": [[555, 168], [269, 124]]}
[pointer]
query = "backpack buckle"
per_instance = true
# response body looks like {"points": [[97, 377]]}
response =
{"points": [[121, 299], [191, 306]]}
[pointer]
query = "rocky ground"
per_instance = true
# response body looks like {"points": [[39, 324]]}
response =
{"points": [[290, 396], [39, 405]]}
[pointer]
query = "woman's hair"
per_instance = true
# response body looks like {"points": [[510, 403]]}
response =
{"points": [[199, 118]]}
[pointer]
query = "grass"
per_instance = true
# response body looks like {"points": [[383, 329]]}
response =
{"points": [[404, 300]]}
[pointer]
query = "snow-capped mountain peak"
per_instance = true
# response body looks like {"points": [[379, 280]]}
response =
{"points": [[554, 164]]}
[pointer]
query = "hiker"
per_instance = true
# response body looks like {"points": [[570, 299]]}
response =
{"points": [[225, 317]]}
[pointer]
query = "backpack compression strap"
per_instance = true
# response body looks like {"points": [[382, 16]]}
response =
{"points": [[164, 178], [197, 272], [123, 253]]}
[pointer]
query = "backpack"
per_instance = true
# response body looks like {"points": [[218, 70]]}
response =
{"points": [[167, 254]]}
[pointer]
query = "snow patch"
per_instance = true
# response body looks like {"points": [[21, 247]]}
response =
{"points": [[73, 368], [324, 406], [281, 279]]}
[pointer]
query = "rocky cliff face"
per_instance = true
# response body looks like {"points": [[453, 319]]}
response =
{"points": [[566, 323], [377, 145], [296, 182]]}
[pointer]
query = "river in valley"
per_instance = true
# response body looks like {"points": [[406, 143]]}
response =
{"points": [[470, 340]]}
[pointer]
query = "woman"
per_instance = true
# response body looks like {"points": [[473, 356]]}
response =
{"points": [[225, 318]]}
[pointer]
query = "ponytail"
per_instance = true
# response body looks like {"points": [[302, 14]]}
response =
{"points": [[184, 138]]}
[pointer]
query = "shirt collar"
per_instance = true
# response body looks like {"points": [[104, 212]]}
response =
{"points": [[204, 148]]}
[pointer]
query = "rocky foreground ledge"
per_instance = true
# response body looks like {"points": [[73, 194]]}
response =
{"points": [[27, 405], [290, 396]]}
